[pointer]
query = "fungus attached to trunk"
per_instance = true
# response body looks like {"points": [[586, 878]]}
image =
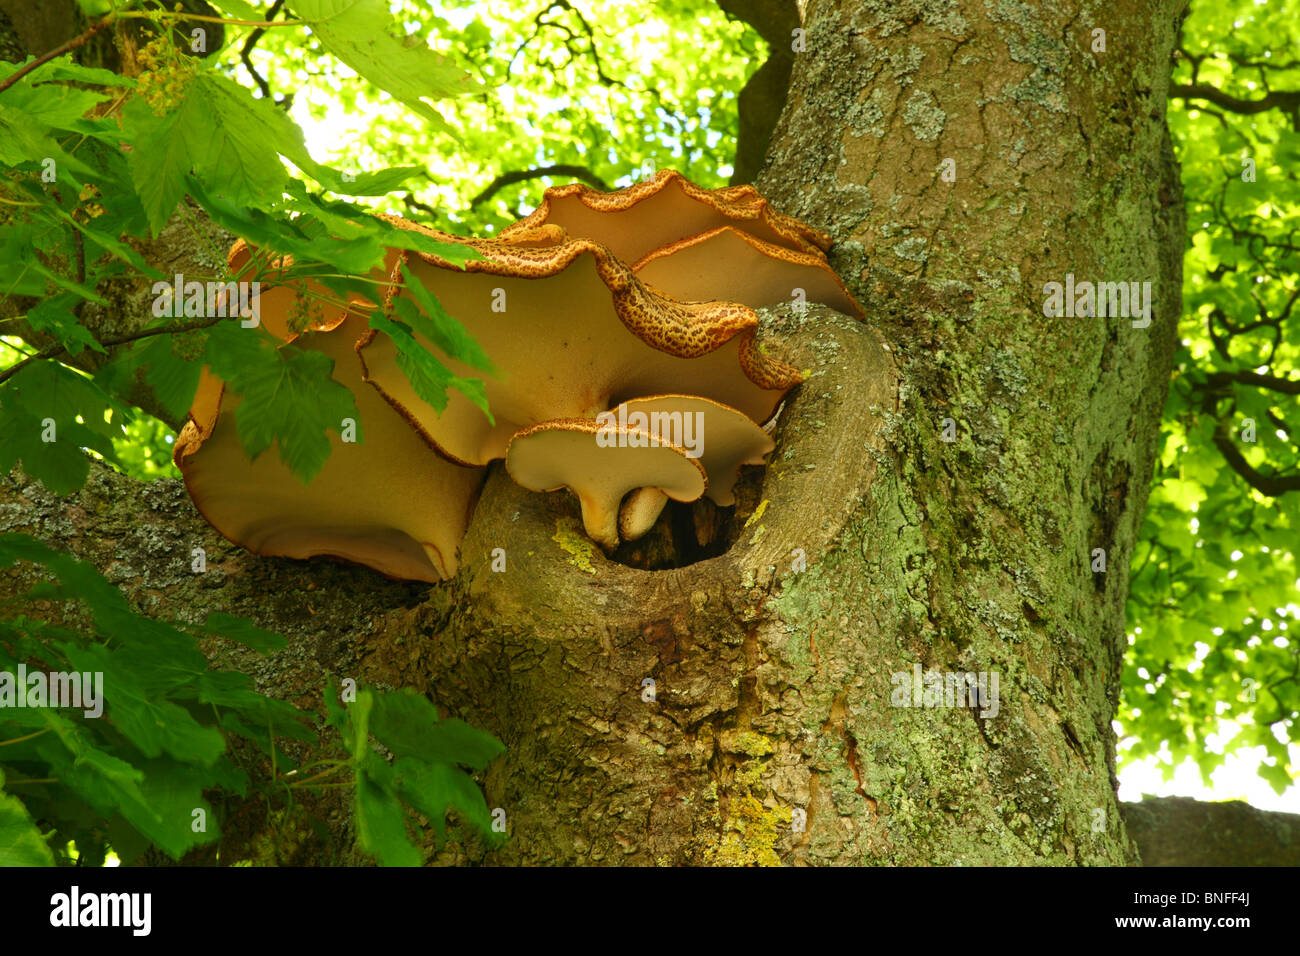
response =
{"points": [[656, 213], [601, 465], [572, 331], [728, 263], [719, 436], [389, 502], [640, 300]]}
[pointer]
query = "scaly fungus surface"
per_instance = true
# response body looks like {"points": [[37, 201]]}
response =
{"points": [[636, 303]]}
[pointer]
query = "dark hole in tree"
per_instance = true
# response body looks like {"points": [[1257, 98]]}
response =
{"points": [[687, 532]]}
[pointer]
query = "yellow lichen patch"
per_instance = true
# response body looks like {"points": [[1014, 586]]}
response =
{"points": [[568, 535], [749, 833], [746, 742], [758, 512]]}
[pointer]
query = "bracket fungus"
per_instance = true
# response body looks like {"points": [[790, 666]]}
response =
{"points": [[404, 519], [569, 454], [636, 303]]}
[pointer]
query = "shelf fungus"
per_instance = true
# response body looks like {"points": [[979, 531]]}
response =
{"points": [[720, 437], [570, 453], [625, 366]]}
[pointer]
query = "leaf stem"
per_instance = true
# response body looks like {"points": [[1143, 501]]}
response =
{"points": [[56, 52], [184, 15], [57, 350], [18, 740]]}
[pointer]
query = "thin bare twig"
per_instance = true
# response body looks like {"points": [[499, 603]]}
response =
{"points": [[537, 172]]}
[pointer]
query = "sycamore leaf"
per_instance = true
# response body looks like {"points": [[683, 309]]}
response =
{"points": [[244, 631], [355, 31], [21, 844], [429, 377], [381, 824], [433, 788], [63, 68], [49, 105], [54, 316], [436, 325], [407, 724], [232, 153], [293, 403], [160, 155], [454, 252], [287, 396], [174, 379]]}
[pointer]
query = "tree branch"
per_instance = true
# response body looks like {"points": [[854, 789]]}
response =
{"points": [[520, 175], [57, 350], [251, 42], [58, 51], [1271, 485], [1180, 831], [1275, 99], [1286, 386]]}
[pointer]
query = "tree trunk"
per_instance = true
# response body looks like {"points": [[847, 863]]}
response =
{"points": [[780, 729]]}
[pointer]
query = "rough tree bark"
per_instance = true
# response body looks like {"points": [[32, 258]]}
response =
{"points": [[870, 545]]}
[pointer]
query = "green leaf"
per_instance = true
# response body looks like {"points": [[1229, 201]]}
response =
{"points": [[436, 325], [49, 105], [245, 632], [380, 182], [288, 397], [54, 316], [354, 31], [457, 742], [239, 9], [381, 825], [237, 158], [1276, 776], [433, 788], [48, 413], [63, 68], [336, 714], [455, 253], [21, 844], [429, 377], [407, 724], [352, 257], [78, 578], [152, 723], [59, 465], [174, 379], [22, 140], [160, 155], [400, 720]]}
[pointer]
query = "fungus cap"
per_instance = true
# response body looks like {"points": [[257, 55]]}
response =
{"points": [[721, 437], [601, 465], [391, 502], [661, 211], [572, 332], [730, 264]]}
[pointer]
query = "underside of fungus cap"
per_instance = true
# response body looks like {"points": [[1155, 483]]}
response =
{"points": [[639, 512], [730, 264], [387, 501], [601, 465], [572, 331], [634, 221], [719, 436]]}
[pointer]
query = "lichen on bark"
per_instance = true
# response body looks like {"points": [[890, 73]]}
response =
{"points": [[882, 544]]}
